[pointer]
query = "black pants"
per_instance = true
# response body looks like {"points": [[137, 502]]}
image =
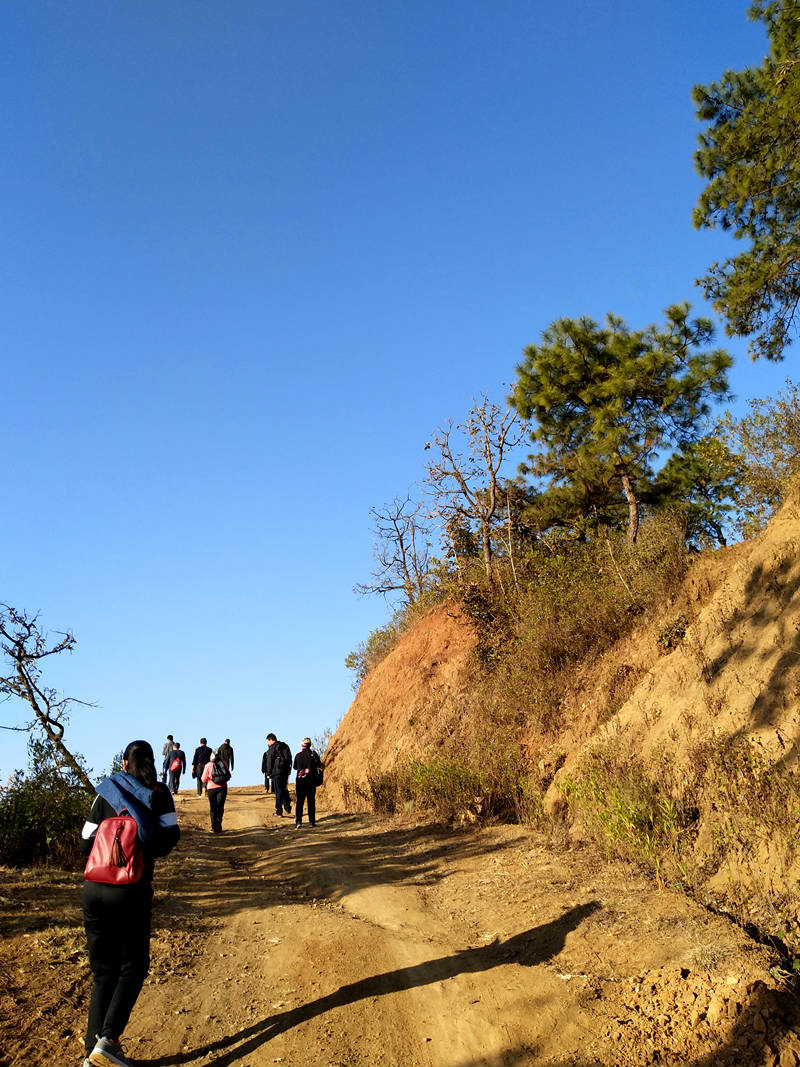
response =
{"points": [[174, 781], [280, 787], [305, 792], [117, 923], [216, 804], [199, 782]]}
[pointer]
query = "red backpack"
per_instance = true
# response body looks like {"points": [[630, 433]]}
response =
{"points": [[116, 857]]}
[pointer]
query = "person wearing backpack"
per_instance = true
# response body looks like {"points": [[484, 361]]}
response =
{"points": [[309, 770], [277, 765], [117, 905], [202, 754], [176, 767], [225, 751], [215, 777]]}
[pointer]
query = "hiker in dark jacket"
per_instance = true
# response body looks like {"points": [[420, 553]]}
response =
{"points": [[225, 751], [177, 766], [277, 765], [117, 917], [202, 754], [306, 763]]}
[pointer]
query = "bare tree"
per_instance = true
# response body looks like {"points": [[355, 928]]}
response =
{"points": [[24, 647], [465, 487], [401, 551]]}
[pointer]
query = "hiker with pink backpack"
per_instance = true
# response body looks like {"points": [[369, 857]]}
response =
{"points": [[177, 767], [132, 821], [216, 775]]}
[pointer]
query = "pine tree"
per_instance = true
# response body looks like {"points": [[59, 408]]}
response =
{"points": [[750, 154], [604, 400]]}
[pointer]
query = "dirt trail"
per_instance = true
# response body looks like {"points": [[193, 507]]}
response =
{"points": [[364, 942]]}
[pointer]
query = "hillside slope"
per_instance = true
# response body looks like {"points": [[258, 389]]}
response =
{"points": [[681, 716], [402, 707]]}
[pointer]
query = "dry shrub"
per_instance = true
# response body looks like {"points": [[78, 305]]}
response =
{"points": [[721, 821], [578, 598]]}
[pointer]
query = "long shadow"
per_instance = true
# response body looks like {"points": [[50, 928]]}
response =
{"points": [[529, 948]]}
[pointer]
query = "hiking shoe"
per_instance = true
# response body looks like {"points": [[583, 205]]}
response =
{"points": [[298, 826], [108, 1053]]}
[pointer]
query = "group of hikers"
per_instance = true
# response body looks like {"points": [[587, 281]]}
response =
{"points": [[174, 761], [131, 822]]}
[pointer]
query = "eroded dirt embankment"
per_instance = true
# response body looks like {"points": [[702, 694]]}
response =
{"points": [[364, 942]]}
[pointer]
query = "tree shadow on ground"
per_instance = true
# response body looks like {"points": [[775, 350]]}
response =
{"points": [[529, 948], [262, 866]]}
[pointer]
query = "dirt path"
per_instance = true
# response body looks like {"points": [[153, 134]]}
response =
{"points": [[363, 942]]}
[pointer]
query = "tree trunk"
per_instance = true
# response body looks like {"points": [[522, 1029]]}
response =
{"points": [[486, 540], [633, 508]]}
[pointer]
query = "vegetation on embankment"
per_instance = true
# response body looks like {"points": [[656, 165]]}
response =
{"points": [[638, 695]]}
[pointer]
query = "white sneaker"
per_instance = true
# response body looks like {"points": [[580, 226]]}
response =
{"points": [[108, 1053]]}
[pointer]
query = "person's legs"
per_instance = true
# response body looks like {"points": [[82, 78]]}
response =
{"points": [[135, 941], [222, 794], [287, 800], [117, 922], [299, 801], [312, 805], [277, 789], [199, 783], [213, 803], [105, 957]]}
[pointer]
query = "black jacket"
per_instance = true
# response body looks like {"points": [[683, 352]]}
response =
{"points": [[277, 760], [307, 760], [202, 754]]}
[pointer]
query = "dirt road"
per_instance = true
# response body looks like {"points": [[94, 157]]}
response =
{"points": [[363, 942]]}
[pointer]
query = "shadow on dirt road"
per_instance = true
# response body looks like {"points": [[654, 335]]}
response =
{"points": [[529, 948]]}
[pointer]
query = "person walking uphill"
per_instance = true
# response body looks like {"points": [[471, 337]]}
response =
{"points": [[202, 754], [117, 906], [225, 751], [166, 758], [215, 777], [277, 766], [177, 765], [307, 764]]}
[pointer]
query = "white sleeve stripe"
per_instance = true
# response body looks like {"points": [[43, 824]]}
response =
{"points": [[89, 828], [170, 819]]}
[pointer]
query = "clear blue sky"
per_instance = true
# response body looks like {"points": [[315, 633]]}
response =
{"points": [[253, 253]]}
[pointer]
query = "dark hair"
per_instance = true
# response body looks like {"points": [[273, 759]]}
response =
{"points": [[271, 737], [141, 763], [203, 741], [169, 737]]}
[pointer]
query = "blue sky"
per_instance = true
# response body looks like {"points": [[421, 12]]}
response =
{"points": [[253, 254]]}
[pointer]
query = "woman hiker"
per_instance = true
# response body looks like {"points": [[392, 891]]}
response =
{"points": [[215, 777], [117, 916]]}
